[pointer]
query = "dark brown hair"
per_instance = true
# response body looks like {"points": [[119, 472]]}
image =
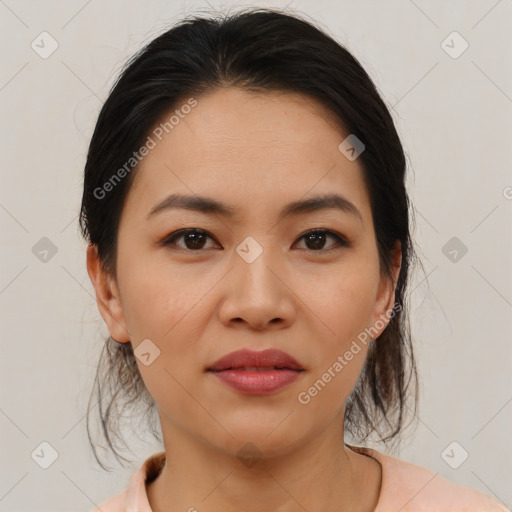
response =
{"points": [[263, 50]]}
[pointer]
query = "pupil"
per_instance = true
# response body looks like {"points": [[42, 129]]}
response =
{"points": [[315, 236], [195, 238]]}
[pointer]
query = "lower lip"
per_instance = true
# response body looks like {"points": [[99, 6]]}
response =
{"points": [[257, 383]]}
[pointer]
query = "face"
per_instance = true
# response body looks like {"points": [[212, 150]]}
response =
{"points": [[257, 278]]}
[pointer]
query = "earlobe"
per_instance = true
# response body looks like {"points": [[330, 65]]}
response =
{"points": [[107, 296]]}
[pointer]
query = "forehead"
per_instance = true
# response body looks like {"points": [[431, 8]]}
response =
{"points": [[247, 148]]}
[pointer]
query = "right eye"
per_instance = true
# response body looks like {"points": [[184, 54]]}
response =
{"points": [[194, 239]]}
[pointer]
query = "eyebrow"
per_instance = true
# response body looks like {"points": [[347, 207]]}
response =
{"points": [[213, 207]]}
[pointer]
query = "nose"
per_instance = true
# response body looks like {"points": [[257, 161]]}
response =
{"points": [[257, 295]]}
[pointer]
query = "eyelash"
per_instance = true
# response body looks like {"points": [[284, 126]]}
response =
{"points": [[341, 240]]}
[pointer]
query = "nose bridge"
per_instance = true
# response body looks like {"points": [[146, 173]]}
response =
{"points": [[255, 266], [256, 293]]}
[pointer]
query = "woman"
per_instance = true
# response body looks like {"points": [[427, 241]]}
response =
{"points": [[249, 245]]}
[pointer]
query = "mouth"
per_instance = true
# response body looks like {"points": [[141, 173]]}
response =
{"points": [[257, 373]]}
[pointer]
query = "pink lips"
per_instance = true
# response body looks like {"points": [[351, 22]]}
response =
{"points": [[257, 373]]}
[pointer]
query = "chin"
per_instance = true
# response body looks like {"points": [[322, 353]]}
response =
{"points": [[262, 439]]}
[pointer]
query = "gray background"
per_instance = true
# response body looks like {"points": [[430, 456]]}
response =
{"points": [[454, 117]]}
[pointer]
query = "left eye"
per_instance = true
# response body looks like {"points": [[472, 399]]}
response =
{"points": [[195, 239], [318, 236]]}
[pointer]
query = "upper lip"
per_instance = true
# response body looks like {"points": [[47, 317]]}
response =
{"points": [[262, 358]]}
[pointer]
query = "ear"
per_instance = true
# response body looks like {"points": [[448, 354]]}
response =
{"points": [[385, 300], [107, 296]]}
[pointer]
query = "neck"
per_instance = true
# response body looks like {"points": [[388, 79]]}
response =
{"points": [[321, 474]]}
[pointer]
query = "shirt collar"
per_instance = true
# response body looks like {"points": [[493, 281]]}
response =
{"points": [[136, 497]]}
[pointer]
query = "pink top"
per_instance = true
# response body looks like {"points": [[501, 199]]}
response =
{"points": [[405, 487]]}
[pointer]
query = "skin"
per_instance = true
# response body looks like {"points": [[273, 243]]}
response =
{"points": [[255, 152]]}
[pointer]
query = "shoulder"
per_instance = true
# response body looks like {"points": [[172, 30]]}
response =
{"points": [[115, 503], [134, 497], [411, 488]]}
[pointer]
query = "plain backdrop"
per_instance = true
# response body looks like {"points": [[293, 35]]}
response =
{"points": [[452, 109]]}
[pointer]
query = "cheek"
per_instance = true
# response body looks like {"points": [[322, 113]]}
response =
{"points": [[171, 317], [169, 310], [346, 303], [158, 302]]}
